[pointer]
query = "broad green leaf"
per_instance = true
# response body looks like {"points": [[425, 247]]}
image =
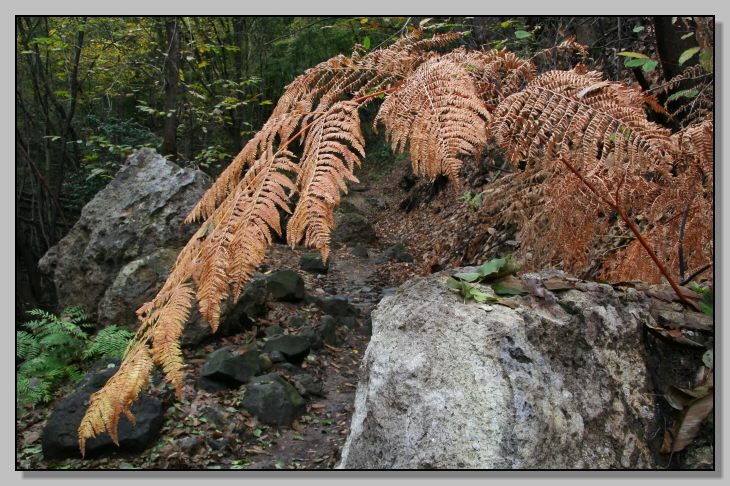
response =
{"points": [[468, 276], [650, 65], [633, 54], [480, 296], [424, 22], [685, 93], [687, 55], [639, 28], [366, 42], [492, 266], [454, 284], [522, 34], [632, 63]]}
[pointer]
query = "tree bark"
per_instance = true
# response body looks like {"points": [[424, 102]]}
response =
{"points": [[172, 69]]}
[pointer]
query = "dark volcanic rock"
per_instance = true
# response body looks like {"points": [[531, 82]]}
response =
{"points": [[312, 262], [59, 439], [227, 369], [273, 400], [328, 330], [397, 252], [353, 228], [236, 319], [339, 307], [285, 285], [294, 348]]}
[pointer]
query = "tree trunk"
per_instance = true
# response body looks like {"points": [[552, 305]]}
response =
{"points": [[670, 46], [172, 69]]}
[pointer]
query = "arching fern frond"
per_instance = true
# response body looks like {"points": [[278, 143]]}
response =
{"points": [[438, 115], [327, 163]]}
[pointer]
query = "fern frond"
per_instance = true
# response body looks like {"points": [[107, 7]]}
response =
{"points": [[110, 342], [116, 397], [439, 115], [596, 123], [166, 351], [26, 345], [281, 125], [327, 162], [496, 73]]}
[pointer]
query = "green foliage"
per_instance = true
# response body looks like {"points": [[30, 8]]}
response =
{"points": [[110, 342], [487, 272], [707, 303], [636, 59], [474, 201], [688, 54], [469, 292], [492, 270], [51, 350]]}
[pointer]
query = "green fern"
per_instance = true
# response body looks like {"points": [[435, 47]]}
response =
{"points": [[110, 342], [53, 348]]}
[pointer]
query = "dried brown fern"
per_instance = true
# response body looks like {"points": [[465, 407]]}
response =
{"points": [[327, 164], [438, 114]]}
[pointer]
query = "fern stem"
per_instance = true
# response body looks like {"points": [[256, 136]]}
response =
{"points": [[616, 205]]}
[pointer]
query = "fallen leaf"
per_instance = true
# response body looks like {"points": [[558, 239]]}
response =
{"points": [[557, 283], [691, 421]]}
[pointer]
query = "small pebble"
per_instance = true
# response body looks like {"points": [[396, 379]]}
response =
{"points": [[476, 446]]}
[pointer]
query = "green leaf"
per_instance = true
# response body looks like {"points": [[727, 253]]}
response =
{"points": [[684, 93], [492, 266], [454, 284], [687, 55], [480, 296], [468, 276], [636, 55], [707, 309], [366, 42], [280, 465], [522, 34], [639, 28], [650, 65], [632, 63], [706, 60]]}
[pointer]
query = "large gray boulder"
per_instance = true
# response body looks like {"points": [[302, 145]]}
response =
{"points": [[558, 382], [138, 218]]}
